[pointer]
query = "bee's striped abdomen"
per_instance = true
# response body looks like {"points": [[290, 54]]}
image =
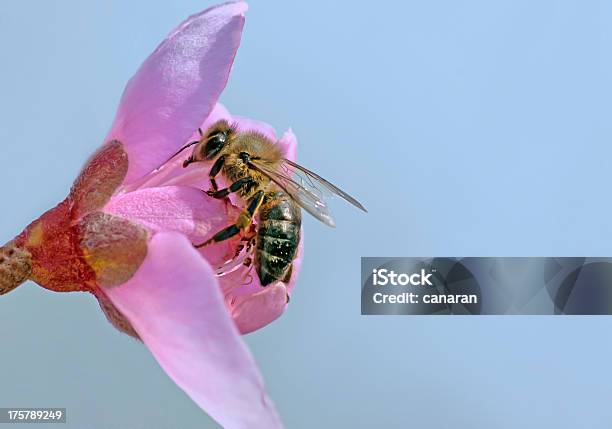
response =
{"points": [[278, 236]]}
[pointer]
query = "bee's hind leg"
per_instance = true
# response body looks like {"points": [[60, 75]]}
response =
{"points": [[243, 222], [222, 235]]}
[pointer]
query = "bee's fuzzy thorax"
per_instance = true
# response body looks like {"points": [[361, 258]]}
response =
{"points": [[255, 144], [258, 147]]}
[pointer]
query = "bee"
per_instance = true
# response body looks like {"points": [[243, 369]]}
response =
{"points": [[273, 188]]}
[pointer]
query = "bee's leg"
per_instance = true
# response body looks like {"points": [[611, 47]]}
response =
{"points": [[250, 233], [236, 186], [243, 222], [215, 170]]}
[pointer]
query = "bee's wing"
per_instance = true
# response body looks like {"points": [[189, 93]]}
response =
{"points": [[307, 177], [306, 188]]}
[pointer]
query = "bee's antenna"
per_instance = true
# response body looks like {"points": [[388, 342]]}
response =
{"points": [[180, 150], [201, 132]]}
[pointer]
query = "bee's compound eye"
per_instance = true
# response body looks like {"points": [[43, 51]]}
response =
{"points": [[214, 144]]}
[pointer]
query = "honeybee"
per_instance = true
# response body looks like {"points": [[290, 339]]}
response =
{"points": [[273, 188]]}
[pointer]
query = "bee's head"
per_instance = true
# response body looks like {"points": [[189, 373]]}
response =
{"points": [[216, 138], [211, 143]]}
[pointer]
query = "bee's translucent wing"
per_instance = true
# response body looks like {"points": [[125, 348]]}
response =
{"points": [[308, 178], [310, 201], [306, 188]]}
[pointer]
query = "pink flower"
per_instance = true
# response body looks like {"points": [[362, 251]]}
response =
{"points": [[125, 231]]}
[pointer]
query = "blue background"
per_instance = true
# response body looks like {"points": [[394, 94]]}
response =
{"points": [[469, 128]]}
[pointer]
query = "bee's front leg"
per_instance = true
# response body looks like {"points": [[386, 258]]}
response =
{"points": [[214, 171]]}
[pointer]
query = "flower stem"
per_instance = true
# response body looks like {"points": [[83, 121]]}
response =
{"points": [[15, 267]]}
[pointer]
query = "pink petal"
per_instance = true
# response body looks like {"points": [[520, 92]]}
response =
{"points": [[166, 176], [179, 209], [177, 86], [219, 112], [254, 311], [174, 304], [289, 144], [246, 124], [252, 306]]}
